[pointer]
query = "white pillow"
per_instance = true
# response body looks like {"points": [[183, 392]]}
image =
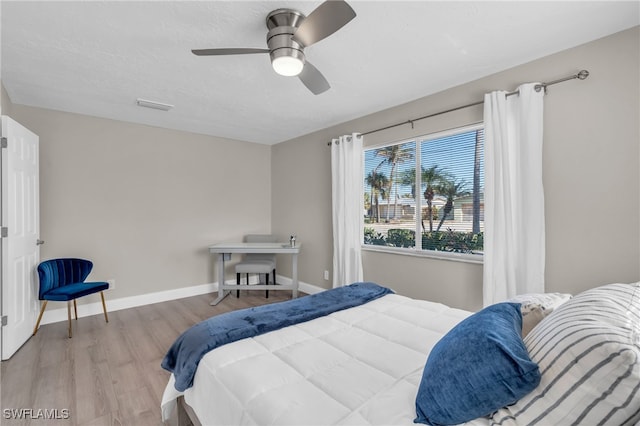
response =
{"points": [[548, 301], [532, 315], [536, 306], [588, 351]]}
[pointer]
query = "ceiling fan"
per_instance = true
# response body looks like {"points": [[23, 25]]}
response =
{"points": [[289, 33]]}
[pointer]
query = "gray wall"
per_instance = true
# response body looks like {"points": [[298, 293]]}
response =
{"points": [[142, 202], [591, 177]]}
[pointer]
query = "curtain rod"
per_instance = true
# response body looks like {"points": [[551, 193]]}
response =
{"points": [[580, 76]]}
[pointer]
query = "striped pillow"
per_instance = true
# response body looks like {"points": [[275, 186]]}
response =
{"points": [[588, 351]]}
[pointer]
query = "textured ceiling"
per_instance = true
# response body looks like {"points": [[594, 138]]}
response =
{"points": [[96, 58]]}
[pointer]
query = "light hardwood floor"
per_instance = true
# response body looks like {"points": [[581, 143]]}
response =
{"points": [[107, 374]]}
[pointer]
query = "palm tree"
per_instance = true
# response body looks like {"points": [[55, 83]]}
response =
{"points": [[378, 183], [451, 189], [431, 178], [394, 155], [408, 178]]}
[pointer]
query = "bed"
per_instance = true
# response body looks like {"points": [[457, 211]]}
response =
{"points": [[376, 364]]}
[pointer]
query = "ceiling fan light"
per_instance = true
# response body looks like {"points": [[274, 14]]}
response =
{"points": [[287, 65]]}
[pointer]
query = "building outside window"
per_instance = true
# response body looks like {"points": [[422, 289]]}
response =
{"points": [[426, 195]]}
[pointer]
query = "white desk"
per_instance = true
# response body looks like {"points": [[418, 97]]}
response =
{"points": [[224, 250]]}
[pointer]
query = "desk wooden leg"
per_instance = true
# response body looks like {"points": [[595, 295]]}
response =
{"points": [[294, 270], [221, 291], [219, 298]]}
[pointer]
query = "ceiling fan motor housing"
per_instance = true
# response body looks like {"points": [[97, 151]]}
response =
{"points": [[282, 24], [289, 32]]}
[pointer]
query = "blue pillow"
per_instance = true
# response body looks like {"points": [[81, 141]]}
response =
{"points": [[481, 365]]}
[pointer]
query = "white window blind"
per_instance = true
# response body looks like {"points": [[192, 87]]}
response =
{"points": [[426, 194]]}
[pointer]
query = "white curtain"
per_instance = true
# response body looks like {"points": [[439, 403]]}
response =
{"points": [[514, 250], [347, 188]]}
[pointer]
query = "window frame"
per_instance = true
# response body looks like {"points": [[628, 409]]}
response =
{"points": [[414, 251]]}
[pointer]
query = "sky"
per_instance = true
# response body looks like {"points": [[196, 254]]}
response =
{"points": [[451, 153]]}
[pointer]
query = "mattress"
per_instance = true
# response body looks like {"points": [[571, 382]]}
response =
{"points": [[362, 366]]}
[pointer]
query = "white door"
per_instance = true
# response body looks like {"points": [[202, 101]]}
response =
{"points": [[20, 232]]}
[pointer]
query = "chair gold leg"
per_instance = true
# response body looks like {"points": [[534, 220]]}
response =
{"points": [[104, 307], [69, 316], [35, 329], [75, 309]]}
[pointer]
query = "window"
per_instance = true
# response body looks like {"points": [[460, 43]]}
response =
{"points": [[427, 195]]}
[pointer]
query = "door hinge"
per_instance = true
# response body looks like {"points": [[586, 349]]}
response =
{"points": [[4, 320], [4, 232], [3, 143]]}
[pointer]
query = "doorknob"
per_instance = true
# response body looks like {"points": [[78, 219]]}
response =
{"points": [[39, 242]]}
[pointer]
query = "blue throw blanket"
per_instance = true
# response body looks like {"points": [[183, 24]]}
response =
{"points": [[185, 353]]}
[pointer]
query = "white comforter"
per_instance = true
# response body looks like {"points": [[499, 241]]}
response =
{"points": [[358, 366]]}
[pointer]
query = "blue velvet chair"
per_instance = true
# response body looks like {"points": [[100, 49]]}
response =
{"points": [[62, 280]]}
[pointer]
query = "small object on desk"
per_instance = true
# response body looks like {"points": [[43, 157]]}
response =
{"points": [[292, 241]]}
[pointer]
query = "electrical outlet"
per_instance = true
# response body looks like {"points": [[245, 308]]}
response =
{"points": [[326, 275], [112, 284]]}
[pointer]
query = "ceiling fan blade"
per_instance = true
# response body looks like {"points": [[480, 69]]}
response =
{"points": [[325, 20], [228, 51], [313, 79]]}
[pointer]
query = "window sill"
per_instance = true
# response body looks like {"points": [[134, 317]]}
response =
{"points": [[454, 257]]}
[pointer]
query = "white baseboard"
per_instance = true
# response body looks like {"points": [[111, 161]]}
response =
{"points": [[85, 310]]}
